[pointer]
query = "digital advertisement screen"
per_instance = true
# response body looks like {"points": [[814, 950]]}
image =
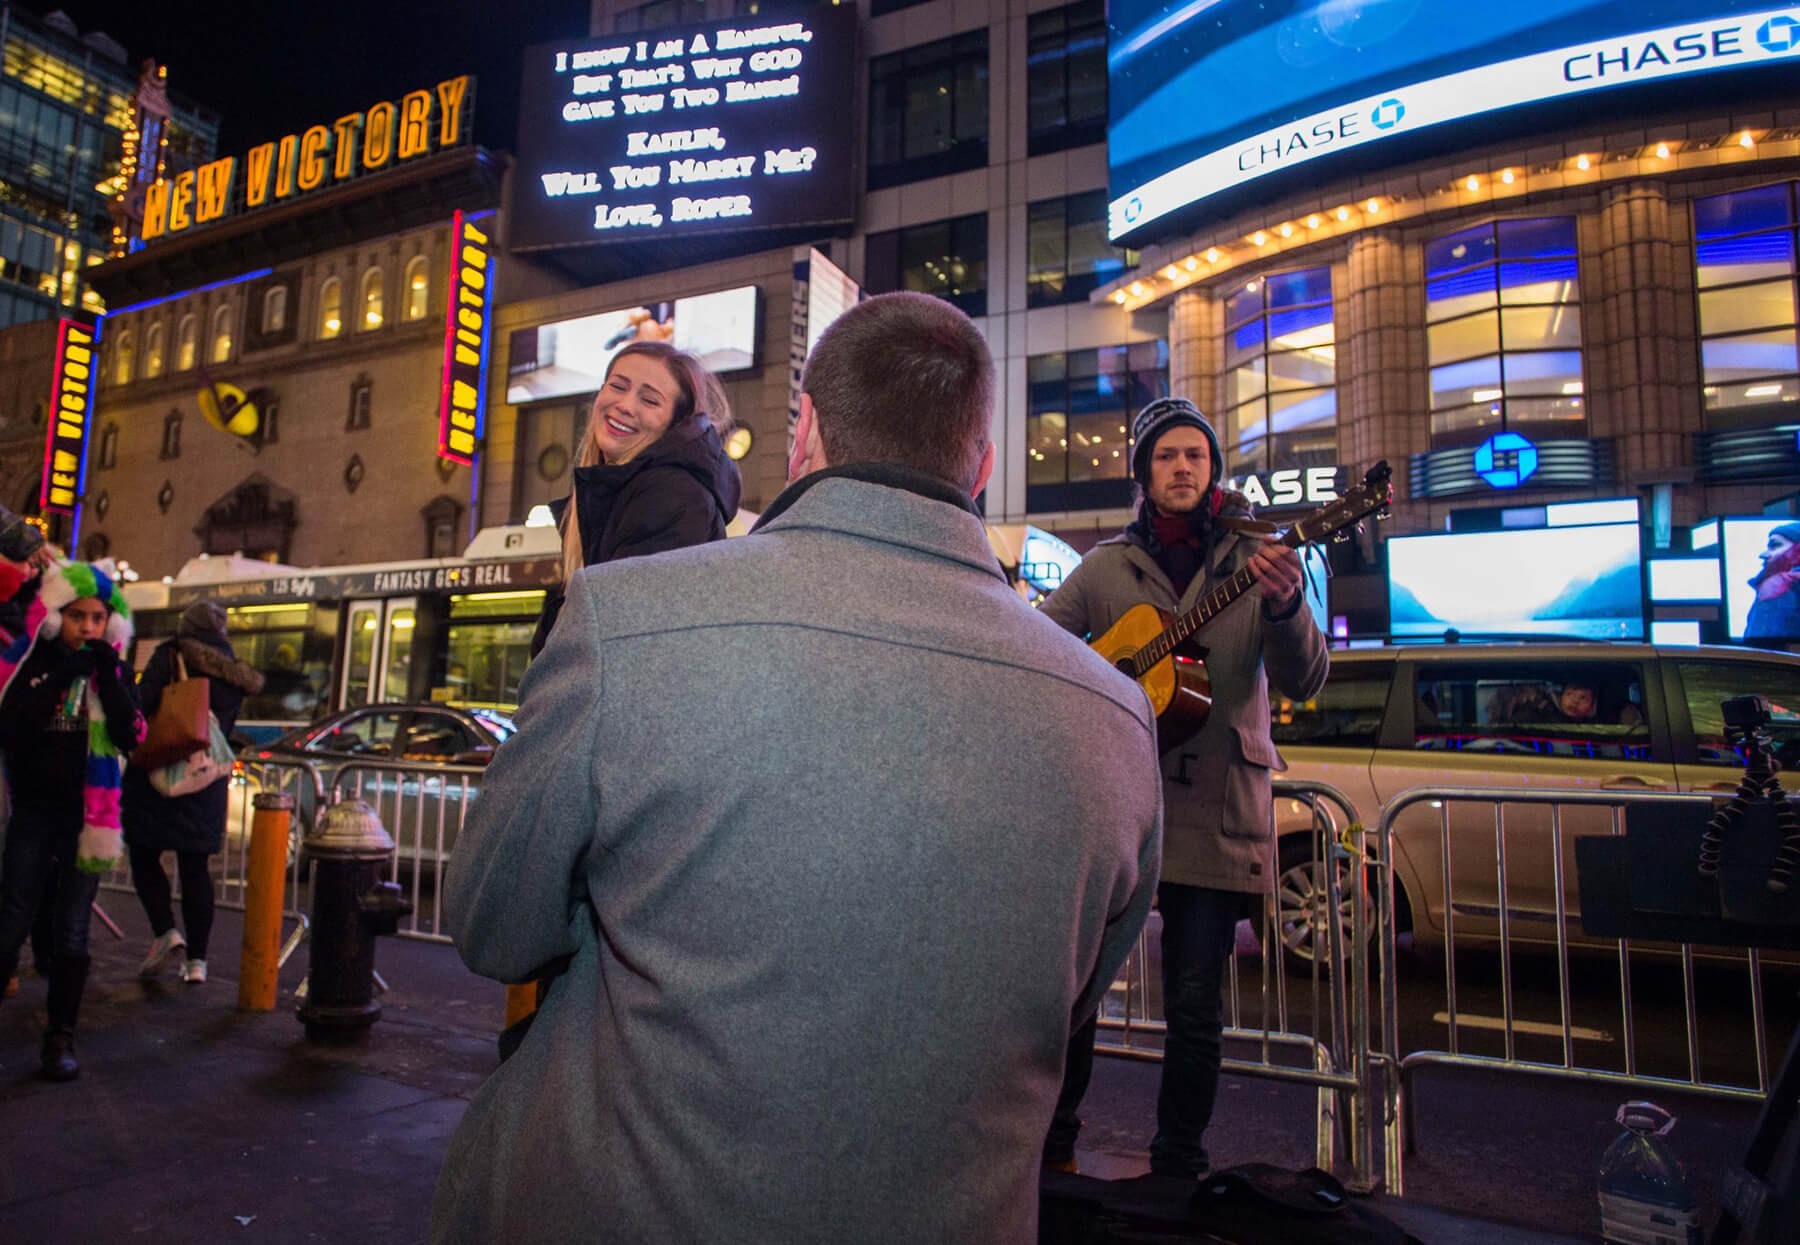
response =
{"points": [[1761, 557], [570, 356], [1208, 96], [688, 130], [1584, 582]]}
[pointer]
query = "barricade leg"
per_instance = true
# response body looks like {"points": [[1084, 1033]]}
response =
{"points": [[265, 884]]}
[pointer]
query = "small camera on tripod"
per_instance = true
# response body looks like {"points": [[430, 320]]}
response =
{"points": [[1747, 716], [1747, 720]]}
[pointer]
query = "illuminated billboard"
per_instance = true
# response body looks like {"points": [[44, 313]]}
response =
{"points": [[691, 130], [1210, 96], [570, 357], [71, 402]]}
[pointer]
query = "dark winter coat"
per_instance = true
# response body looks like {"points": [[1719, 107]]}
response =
{"points": [[681, 491], [44, 737], [194, 822]]}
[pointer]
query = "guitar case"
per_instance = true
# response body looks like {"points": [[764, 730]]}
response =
{"points": [[1251, 1204]]}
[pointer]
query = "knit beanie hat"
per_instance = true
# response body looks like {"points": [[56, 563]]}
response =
{"points": [[203, 618], [1156, 419], [1789, 532]]}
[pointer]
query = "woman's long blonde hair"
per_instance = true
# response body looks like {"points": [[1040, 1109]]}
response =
{"points": [[698, 393]]}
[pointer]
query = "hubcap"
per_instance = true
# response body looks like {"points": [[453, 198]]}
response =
{"points": [[1302, 909]]}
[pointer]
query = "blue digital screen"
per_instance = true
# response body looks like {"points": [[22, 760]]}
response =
{"points": [[1207, 96], [1584, 582]]}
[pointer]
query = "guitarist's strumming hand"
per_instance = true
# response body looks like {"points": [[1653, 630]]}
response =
{"points": [[1277, 570]]}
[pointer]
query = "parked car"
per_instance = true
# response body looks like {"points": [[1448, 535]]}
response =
{"points": [[1605, 717], [410, 762]]}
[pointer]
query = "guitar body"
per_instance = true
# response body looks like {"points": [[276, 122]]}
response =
{"points": [[1180, 693]]}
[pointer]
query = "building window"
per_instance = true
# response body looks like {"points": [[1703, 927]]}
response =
{"points": [[271, 422], [442, 517], [1065, 58], [1502, 302], [361, 395], [153, 351], [1744, 269], [274, 309], [661, 13], [171, 442], [109, 445], [418, 287], [1067, 252], [371, 300], [928, 110], [1078, 420], [187, 343], [331, 309], [947, 258], [1280, 374], [221, 335], [122, 358]]}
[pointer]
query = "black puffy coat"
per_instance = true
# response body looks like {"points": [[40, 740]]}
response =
{"points": [[194, 822], [681, 491]]}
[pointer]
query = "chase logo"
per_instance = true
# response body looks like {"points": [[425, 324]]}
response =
{"points": [[1387, 113], [1779, 34]]}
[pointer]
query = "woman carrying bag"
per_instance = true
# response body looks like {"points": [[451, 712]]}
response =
{"points": [[191, 825]]}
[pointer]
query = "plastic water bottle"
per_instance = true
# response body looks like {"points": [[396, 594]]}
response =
{"points": [[1645, 1196]]}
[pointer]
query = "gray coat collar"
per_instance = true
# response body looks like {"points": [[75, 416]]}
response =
{"points": [[1141, 561], [886, 509]]}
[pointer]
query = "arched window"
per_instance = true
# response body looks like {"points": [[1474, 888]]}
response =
{"points": [[418, 287], [187, 343], [122, 357], [221, 335], [371, 300], [274, 309], [153, 351], [331, 308]]}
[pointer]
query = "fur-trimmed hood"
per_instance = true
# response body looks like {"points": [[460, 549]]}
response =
{"points": [[204, 659]]}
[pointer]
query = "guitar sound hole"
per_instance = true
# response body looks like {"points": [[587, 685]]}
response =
{"points": [[1126, 666]]}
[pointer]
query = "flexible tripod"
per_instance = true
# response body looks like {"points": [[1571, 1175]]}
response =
{"points": [[1759, 785]]}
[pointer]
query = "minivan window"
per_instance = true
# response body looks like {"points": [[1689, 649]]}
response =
{"points": [[1707, 683], [1588, 710], [1345, 714]]}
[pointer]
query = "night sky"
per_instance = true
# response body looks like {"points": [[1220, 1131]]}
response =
{"points": [[274, 67]]}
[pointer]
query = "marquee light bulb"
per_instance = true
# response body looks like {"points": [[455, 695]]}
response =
{"points": [[1343, 213], [1118, 296], [1259, 237], [1374, 205], [1212, 255], [1582, 163], [1662, 151], [1137, 289], [1745, 140], [1507, 177], [1474, 183], [1312, 222], [1171, 272], [1190, 263]]}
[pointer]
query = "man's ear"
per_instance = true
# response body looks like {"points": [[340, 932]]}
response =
{"points": [[984, 471], [808, 454]]}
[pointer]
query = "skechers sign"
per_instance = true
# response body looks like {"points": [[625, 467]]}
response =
{"points": [[470, 307], [71, 399], [319, 157], [698, 129], [1260, 89]]}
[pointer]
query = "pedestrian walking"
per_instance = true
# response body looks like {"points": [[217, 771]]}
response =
{"points": [[652, 473], [833, 836], [68, 714], [1189, 536], [191, 825]]}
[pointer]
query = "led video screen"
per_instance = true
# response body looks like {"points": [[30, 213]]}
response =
{"points": [[1761, 558], [1582, 582], [570, 356], [679, 131], [1207, 96]]}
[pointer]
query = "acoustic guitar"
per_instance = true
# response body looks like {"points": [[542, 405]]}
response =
{"points": [[1143, 641]]}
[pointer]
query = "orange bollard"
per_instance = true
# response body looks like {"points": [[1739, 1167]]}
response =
{"points": [[521, 1001], [266, 882]]}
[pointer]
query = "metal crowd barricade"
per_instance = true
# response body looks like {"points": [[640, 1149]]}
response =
{"points": [[423, 808], [1326, 1039], [1399, 1097]]}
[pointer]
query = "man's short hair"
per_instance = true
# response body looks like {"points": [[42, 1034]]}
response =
{"points": [[903, 378]]}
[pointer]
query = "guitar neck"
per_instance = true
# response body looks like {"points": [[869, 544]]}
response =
{"points": [[1197, 616]]}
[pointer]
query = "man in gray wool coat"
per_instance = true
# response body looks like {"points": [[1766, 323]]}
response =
{"points": [[1190, 535], [837, 839]]}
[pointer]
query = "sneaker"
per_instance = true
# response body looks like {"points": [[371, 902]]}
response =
{"points": [[57, 1059], [162, 948], [194, 972]]}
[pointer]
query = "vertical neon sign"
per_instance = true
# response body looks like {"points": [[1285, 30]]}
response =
{"points": [[71, 401], [466, 320]]}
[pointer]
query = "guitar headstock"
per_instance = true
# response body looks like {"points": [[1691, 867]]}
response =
{"points": [[1371, 497]]}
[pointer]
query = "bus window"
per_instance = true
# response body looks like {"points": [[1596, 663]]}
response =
{"points": [[488, 647]]}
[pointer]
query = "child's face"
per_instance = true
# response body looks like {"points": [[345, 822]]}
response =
{"points": [[1578, 702], [83, 620]]}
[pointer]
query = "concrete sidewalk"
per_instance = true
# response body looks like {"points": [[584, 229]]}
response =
{"points": [[193, 1123]]}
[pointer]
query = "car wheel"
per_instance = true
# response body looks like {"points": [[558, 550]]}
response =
{"points": [[1302, 909]]}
